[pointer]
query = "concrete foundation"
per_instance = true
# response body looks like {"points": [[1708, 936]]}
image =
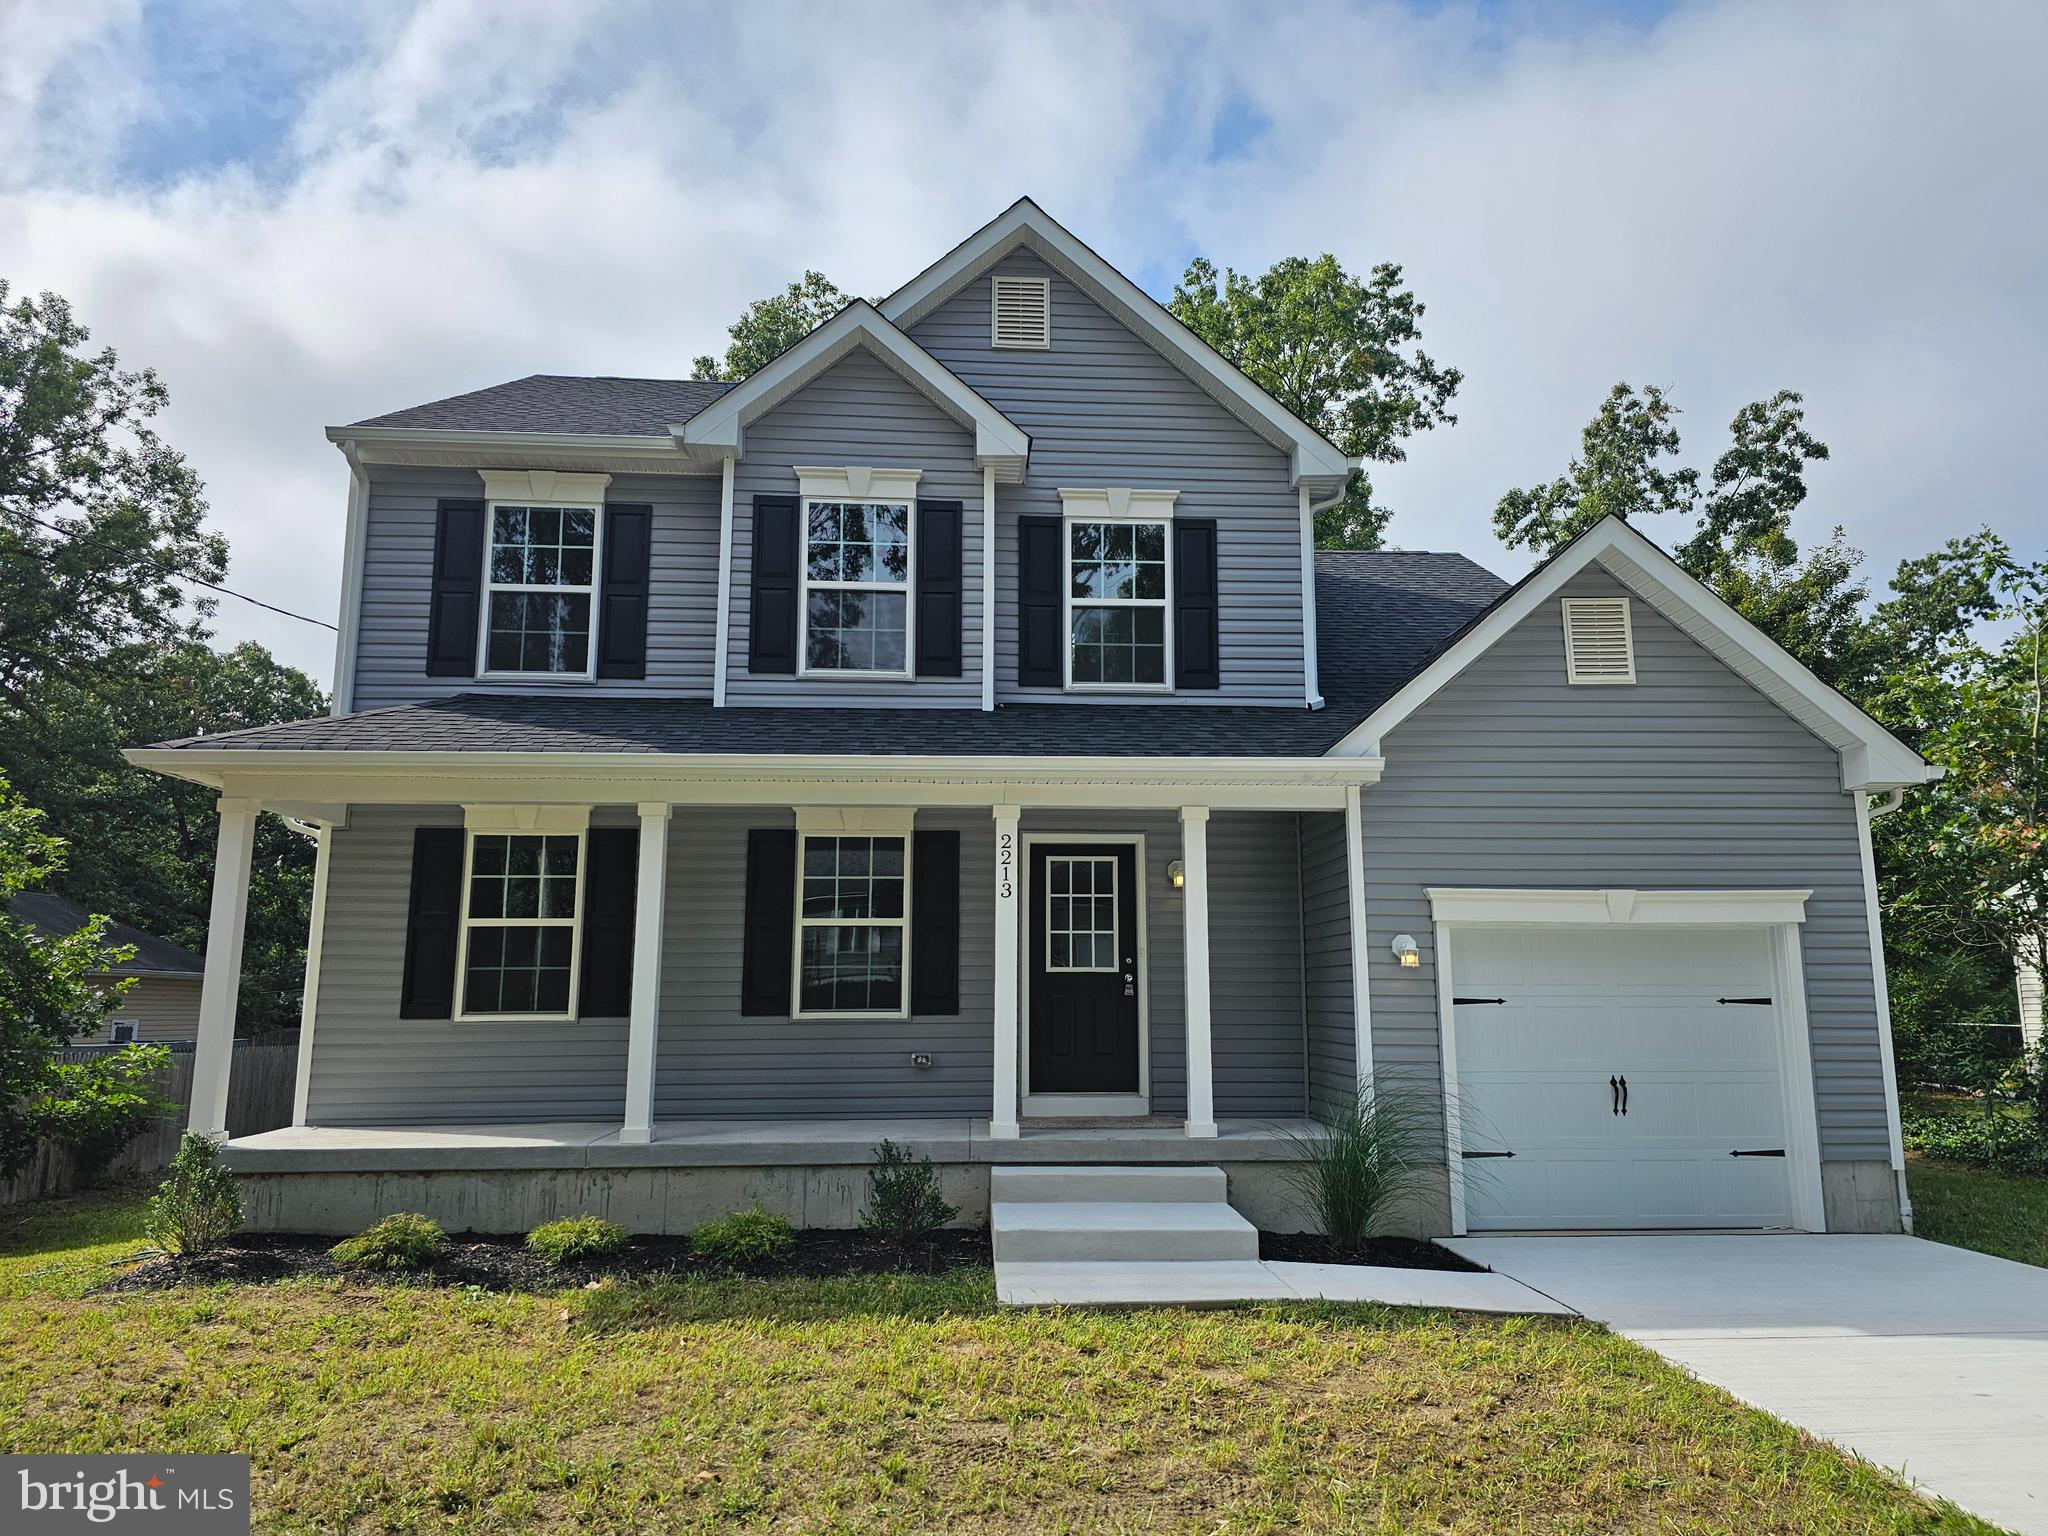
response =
{"points": [[1860, 1197]]}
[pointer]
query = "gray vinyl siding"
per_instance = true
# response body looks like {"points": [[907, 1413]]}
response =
{"points": [[398, 588], [370, 1067], [1688, 779], [860, 411], [1256, 960], [1326, 964], [1103, 408], [163, 1007]]}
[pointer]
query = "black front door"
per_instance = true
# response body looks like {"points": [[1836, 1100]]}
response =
{"points": [[1083, 912]]}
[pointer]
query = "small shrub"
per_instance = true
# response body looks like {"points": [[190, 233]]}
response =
{"points": [[576, 1239], [404, 1240], [2009, 1142], [904, 1202], [94, 1108], [198, 1205], [750, 1236], [1382, 1147]]}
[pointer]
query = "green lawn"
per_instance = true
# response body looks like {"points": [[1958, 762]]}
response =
{"points": [[1975, 1208], [888, 1405]]}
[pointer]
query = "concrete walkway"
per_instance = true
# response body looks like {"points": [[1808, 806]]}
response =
{"points": [[1212, 1283], [1927, 1360]]}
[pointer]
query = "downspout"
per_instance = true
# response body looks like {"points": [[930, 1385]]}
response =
{"points": [[1866, 813], [1310, 667]]}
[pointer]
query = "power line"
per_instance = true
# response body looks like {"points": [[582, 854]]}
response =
{"points": [[159, 566]]}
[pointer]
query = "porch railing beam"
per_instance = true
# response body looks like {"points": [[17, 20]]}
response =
{"points": [[644, 1025], [1002, 1119], [1194, 857], [213, 1051]]}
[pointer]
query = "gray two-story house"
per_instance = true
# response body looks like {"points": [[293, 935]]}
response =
{"points": [[951, 733]]}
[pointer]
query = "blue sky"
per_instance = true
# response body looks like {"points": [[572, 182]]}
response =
{"points": [[309, 211]]}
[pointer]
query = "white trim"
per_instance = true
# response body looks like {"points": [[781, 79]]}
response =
{"points": [[545, 487], [814, 822], [855, 821], [1872, 758], [1003, 1028], [1447, 1054], [1032, 1103], [868, 487], [722, 637], [526, 819], [1115, 504], [309, 1005], [1361, 943], [349, 619], [1520, 908], [1311, 672], [1201, 1056], [433, 447], [996, 283], [558, 492], [1025, 223], [720, 428], [1795, 1080], [988, 588], [643, 1028], [1593, 610], [1881, 991], [522, 821], [213, 1050]]}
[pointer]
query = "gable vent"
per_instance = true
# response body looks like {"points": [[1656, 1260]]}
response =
{"points": [[1020, 311], [1599, 646]]}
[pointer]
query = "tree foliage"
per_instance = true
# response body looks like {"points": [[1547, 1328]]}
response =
{"points": [[771, 326], [1341, 352]]}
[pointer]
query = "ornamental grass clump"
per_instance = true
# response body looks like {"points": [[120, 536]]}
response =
{"points": [[576, 1240], [751, 1236], [405, 1240], [1382, 1147]]}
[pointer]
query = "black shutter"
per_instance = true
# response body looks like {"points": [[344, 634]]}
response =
{"points": [[938, 589], [1197, 656], [611, 857], [1039, 642], [433, 916], [458, 588], [766, 953], [935, 923], [622, 600], [771, 631]]}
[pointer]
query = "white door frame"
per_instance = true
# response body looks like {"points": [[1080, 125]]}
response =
{"points": [[1777, 914], [1055, 1104]]}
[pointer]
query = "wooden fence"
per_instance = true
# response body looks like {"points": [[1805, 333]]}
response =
{"points": [[259, 1099]]}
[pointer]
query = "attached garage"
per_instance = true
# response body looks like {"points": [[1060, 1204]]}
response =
{"points": [[1622, 1060]]}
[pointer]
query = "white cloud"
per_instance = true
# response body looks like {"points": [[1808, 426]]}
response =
{"points": [[1842, 199]]}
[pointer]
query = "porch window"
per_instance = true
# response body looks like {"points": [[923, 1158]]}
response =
{"points": [[856, 586], [852, 925], [1116, 604], [522, 898], [539, 583]]}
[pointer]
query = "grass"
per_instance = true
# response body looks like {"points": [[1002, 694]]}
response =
{"points": [[888, 1404], [1976, 1208]]}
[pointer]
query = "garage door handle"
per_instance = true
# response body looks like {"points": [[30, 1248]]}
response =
{"points": [[1745, 1002], [1772, 1152], [1613, 1095], [1624, 1095], [1486, 1154]]}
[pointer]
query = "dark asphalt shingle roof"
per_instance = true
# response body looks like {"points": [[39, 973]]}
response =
{"points": [[554, 402], [56, 916], [1382, 616]]}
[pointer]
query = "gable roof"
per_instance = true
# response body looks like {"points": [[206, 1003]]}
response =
{"points": [[555, 402], [55, 917], [1872, 757], [717, 430], [1316, 460]]}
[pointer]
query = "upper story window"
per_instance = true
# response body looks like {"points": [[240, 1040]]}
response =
{"points": [[540, 573], [1119, 586], [858, 560]]}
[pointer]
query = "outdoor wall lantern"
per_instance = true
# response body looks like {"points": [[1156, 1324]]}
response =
{"points": [[1406, 952], [1176, 874]]}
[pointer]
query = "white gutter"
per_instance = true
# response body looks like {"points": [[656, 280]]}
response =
{"points": [[354, 539], [1310, 635], [722, 629]]}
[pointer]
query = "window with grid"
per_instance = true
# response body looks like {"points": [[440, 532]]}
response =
{"points": [[540, 576], [851, 925], [1116, 597], [519, 924], [1080, 914], [856, 586]]}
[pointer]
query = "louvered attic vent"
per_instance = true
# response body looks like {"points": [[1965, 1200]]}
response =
{"points": [[1599, 646], [1020, 312]]}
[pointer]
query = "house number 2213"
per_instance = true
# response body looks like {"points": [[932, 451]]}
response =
{"points": [[1006, 866]]}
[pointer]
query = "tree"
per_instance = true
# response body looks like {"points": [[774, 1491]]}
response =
{"points": [[46, 997], [771, 326], [1619, 473], [1339, 352]]}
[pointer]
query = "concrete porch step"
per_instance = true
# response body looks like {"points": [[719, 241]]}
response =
{"points": [[1105, 1183], [1119, 1231]]}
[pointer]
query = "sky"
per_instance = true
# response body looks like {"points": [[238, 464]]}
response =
{"points": [[302, 214]]}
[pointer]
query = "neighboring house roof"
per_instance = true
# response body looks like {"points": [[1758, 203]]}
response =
{"points": [[1872, 757], [1382, 615], [55, 917], [555, 402]]}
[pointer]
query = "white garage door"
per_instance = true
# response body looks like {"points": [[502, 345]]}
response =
{"points": [[1631, 1073]]}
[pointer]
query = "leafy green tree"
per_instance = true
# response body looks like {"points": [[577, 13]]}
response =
{"points": [[771, 326], [46, 997], [1338, 351], [1620, 472]]}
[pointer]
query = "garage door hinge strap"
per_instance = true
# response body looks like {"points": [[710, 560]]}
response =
{"points": [[1747, 1002], [1486, 1154], [1772, 1152], [1469, 1002]]}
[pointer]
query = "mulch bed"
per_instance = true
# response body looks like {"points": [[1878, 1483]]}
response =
{"points": [[503, 1264], [1386, 1252]]}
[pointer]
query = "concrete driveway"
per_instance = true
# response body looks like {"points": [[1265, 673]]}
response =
{"points": [[1927, 1360]]}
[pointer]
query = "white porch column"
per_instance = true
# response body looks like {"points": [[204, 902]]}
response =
{"points": [[1002, 1119], [1194, 858], [213, 1055], [649, 900], [1361, 967]]}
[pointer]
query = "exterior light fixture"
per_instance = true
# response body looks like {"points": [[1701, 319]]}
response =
{"points": [[1406, 952], [1176, 874]]}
